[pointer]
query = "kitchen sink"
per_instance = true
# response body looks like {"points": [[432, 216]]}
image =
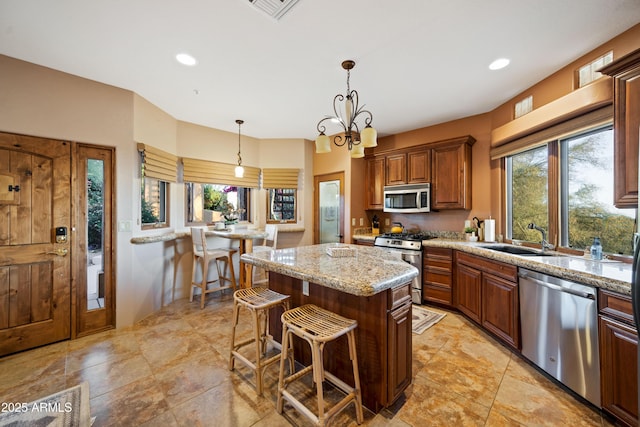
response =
{"points": [[518, 250]]}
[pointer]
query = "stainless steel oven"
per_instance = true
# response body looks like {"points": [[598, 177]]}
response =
{"points": [[409, 249]]}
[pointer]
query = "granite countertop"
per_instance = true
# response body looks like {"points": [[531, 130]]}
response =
{"points": [[370, 271], [605, 274]]}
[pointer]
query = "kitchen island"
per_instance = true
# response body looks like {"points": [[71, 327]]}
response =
{"points": [[371, 286]]}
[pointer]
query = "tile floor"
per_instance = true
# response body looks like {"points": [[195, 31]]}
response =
{"points": [[171, 370]]}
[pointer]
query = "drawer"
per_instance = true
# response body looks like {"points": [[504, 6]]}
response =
{"points": [[399, 296], [506, 271], [615, 305], [437, 294], [438, 277]]}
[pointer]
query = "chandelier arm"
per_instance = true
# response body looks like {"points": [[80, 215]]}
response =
{"points": [[339, 141]]}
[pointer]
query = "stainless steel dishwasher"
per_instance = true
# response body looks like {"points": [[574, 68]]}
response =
{"points": [[559, 321]]}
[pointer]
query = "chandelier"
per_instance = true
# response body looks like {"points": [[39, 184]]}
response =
{"points": [[239, 172], [355, 140]]}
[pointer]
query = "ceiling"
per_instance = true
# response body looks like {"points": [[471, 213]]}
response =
{"points": [[418, 62]]}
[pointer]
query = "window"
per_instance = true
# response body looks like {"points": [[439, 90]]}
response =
{"points": [[154, 203], [588, 73], [281, 205], [587, 195], [582, 195], [528, 193], [208, 203]]}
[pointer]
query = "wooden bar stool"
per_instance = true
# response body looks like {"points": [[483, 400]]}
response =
{"points": [[204, 256], [258, 301], [318, 326]]}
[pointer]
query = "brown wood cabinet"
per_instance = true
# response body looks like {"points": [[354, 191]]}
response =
{"points": [[396, 169], [419, 166], [618, 357], [383, 336], [437, 276], [374, 183], [626, 111], [487, 292], [451, 174]]}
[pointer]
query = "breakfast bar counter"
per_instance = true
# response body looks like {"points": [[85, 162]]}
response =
{"points": [[368, 285]]}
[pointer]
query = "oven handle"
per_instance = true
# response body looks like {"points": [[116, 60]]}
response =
{"points": [[402, 252]]}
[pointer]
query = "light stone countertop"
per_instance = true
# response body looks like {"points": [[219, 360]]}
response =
{"points": [[370, 271], [605, 274]]}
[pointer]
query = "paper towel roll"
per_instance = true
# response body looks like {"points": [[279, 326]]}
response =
{"points": [[489, 230]]}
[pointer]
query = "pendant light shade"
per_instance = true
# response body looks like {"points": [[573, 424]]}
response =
{"points": [[357, 151], [369, 137], [323, 144]]}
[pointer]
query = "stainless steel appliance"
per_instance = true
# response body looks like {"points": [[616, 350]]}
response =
{"points": [[412, 198], [559, 322], [408, 246]]}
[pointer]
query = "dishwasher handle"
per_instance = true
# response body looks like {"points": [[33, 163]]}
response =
{"points": [[557, 287]]}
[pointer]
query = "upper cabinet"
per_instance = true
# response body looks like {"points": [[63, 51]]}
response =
{"points": [[626, 97], [444, 164], [374, 182], [451, 173]]}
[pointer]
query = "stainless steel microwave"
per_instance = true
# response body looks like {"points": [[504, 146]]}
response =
{"points": [[411, 198]]}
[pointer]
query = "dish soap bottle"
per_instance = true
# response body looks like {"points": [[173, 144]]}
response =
{"points": [[596, 249]]}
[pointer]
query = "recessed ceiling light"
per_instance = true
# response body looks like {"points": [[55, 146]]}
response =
{"points": [[186, 59], [499, 64]]}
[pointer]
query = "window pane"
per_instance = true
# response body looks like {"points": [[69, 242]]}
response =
{"points": [[588, 185], [528, 198], [153, 202], [281, 205], [208, 203]]}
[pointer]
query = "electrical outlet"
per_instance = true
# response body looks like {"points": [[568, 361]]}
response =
{"points": [[353, 222], [305, 287], [386, 221], [361, 222]]}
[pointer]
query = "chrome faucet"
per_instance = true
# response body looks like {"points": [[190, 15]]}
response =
{"points": [[544, 243]]}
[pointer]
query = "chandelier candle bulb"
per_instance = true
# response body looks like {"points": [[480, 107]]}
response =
{"points": [[489, 230]]}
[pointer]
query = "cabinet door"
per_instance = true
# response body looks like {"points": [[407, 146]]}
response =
{"points": [[468, 291], [419, 167], [374, 183], [400, 350], [396, 169], [451, 173], [619, 370], [500, 308], [626, 121]]}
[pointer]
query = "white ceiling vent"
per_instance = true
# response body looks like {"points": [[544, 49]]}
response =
{"points": [[274, 8]]}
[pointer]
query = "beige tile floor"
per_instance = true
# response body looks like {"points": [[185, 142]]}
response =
{"points": [[171, 370]]}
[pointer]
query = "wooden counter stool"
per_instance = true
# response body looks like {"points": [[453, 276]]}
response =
{"points": [[258, 301], [203, 255], [318, 326]]}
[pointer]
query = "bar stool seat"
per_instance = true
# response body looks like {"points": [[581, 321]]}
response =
{"points": [[258, 301], [318, 326]]}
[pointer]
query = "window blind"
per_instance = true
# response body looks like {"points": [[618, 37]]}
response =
{"points": [[558, 131], [280, 178], [158, 164], [207, 172]]}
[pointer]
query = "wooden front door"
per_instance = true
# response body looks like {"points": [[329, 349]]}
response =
{"points": [[35, 230]]}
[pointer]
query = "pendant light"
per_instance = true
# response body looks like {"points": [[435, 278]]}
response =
{"points": [[239, 168]]}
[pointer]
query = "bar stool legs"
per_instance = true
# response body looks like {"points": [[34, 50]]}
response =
{"points": [[317, 327], [258, 301]]}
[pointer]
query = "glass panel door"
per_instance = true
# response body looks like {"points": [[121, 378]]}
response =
{"points": [[329, 208]]}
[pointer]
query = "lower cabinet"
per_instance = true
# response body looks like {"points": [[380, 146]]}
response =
{"points": [[437, 276], [487, 292], [618, 357], [399, 334]]}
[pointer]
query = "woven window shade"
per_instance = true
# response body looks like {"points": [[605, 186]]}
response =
{"points": [[206, 172], [158, 164], [280, 178]]}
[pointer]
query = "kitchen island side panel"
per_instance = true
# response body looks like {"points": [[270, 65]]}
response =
{"points": [[372, 343]]}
